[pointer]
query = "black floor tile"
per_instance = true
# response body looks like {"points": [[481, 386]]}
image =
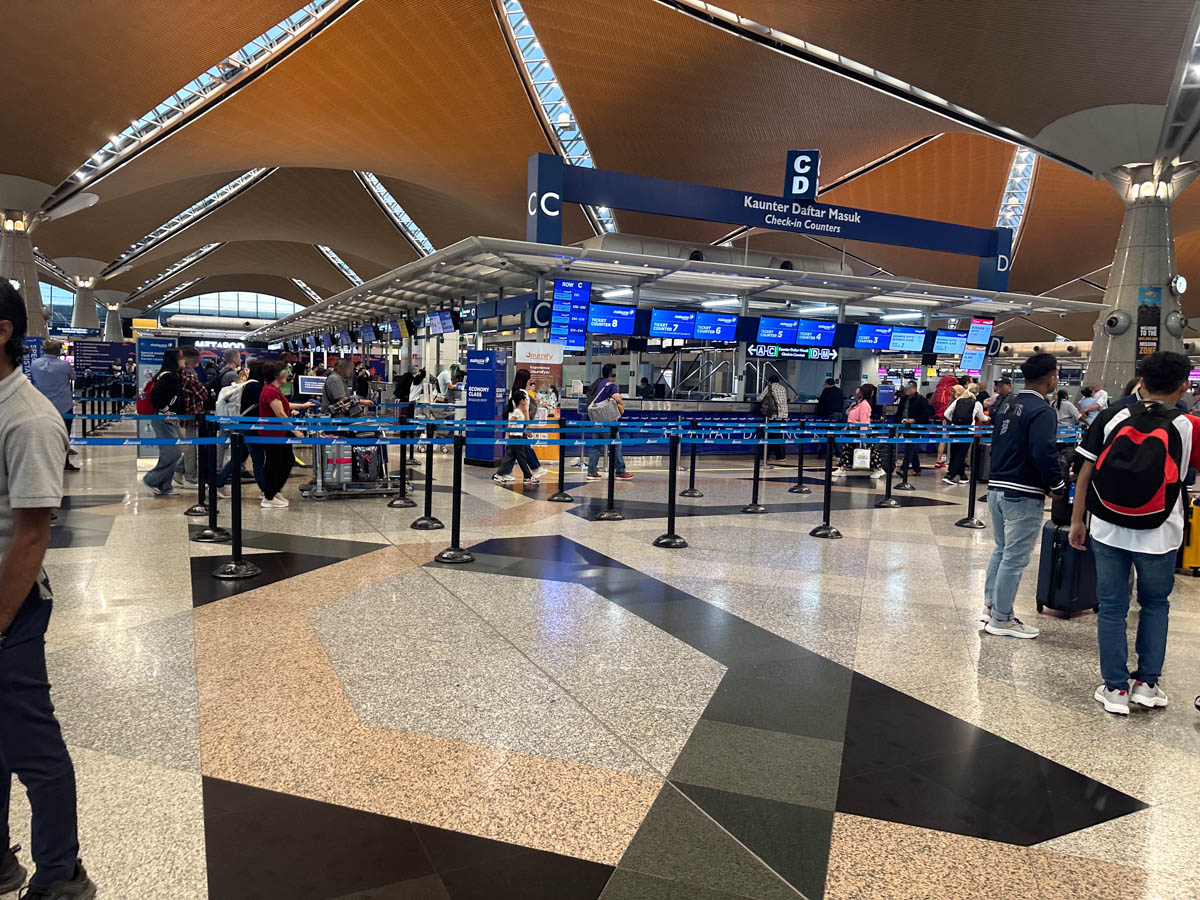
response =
{"points": [[551, 548], [792, 839], [736, 642], [428, 888], [808, 696], [275, 567], [262, 845], [529, 875], [302, 543], [629, 885], [449, 850]]}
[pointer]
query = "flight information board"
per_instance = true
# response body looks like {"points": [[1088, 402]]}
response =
{"points": [[569, 313], [368, 334], [772, 330], [950, 342], [908, 339], [972, 358], [981, 332], [715, 326], [605, 319], [873, 337], [672, 323], [815, 334]]}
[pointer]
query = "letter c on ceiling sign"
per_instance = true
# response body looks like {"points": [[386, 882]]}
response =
{"points": [[532, 205]]}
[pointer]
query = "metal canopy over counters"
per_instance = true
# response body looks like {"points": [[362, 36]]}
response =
{"points": [[482, 268]]}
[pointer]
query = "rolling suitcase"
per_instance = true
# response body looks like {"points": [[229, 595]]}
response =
{"points": [[1188, 561], [1066, 576]]}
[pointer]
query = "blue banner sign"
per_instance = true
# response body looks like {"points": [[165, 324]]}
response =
{"points": [[486, 398], [774, 351], [803, 169], [604, 319], [149, 354], [873, 337], [99, 356]]}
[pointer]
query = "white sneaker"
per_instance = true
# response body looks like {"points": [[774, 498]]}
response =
{"points": [[1113, 701], [839, 473], [987, 613], [1012, 628], [1147, 695], [224, 493], [534, 477], [504, 479], [877, 473], [280, 502], [948, 480]]}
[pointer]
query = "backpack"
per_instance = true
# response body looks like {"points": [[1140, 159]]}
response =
{"points": [[144, 405], [767, 406], [1138, 474], [964, 411], [229, 401]]}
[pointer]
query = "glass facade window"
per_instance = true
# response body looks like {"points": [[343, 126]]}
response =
{"points": [[239, 304], [61, 303]]}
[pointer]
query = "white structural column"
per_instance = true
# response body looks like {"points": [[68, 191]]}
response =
{"points": [[83, 312], [18, 265], [1141, 282], [112, 324]]}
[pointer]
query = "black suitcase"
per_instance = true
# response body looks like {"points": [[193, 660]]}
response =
{"points": [[1066, 576]]}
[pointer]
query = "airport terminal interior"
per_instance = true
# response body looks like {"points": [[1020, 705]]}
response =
{"points": [[500, 636]]}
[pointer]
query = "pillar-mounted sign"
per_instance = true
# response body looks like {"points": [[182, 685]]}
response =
{"points": [[803, 169], [1148, 316]]}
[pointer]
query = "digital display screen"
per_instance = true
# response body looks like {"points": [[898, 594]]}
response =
{"points": [[672, 323], [815, 334], [344, 338], [910, 339], [398, 331], [950, 342], [972, 358], [981, 331], [603, 319], [309, 384], [327, 341], [873, 337], [368, 334], [434, 323], [569, 313], [311, 342], [447, 320], [715, 326], [777, 331]]}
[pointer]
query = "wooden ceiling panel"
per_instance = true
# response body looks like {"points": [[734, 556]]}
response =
{"points": [[77, 73], [999, 57]]}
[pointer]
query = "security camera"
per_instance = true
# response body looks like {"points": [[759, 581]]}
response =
{"points": [[1175, 323], [1117, 322]]}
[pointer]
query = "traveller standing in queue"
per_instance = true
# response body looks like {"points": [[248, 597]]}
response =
{"points": [[33, 448], [336, 399], [522, 385], [166, 396], [604, 404], [1025, 467], [52, 375], [913, 411], [193, 401], [1001, 388], [773, 404], [278, 459], [831, 405], [964, 411], [1134, 493]]}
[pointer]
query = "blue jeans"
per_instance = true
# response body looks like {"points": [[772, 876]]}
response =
{"points": [[256, 459], [160, 476], [1016, 522], [594, 454], [1155, 579]]}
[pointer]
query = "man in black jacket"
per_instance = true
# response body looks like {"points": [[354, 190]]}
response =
{"points": [[831, 404], [914, 409]]}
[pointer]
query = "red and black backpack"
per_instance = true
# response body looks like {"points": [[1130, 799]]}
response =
{"points": [[1137, 476]]}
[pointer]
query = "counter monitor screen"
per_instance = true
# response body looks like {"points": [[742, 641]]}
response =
{"points": [[397, 331], [447, 320], [327, 341], [569, 313], [311, 342], [716, 326], [954, 342], [672, 323], [972, 358], [368, 334], [815, 334], [434, 323], [873, 337], [344, 338], [777, 331], [907, 339], [981, 332], [604, 319]]}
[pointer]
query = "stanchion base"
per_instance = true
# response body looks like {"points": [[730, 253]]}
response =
{"points": [[561, 497], [690, 492], [200, 509], [454, 555], [427, 523], [609, 515], [904, 486], [670, 542], [212, 535], [236, 568], [754, 508], [982, 498], [826, 531], [799, 489], [887, 503], [402, 503], [970, 523]]}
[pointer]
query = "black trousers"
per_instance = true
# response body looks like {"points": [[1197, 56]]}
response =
{"points": [[277, 466], [32, 747], [958, 460]]}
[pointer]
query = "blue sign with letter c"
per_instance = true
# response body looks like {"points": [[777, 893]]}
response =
{"points": [[803, 169]]}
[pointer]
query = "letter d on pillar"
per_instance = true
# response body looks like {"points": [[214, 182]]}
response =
{"points": [[993, 269], [543, 196]]}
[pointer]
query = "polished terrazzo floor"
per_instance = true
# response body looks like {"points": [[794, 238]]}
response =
{"points": [[578, 714]]}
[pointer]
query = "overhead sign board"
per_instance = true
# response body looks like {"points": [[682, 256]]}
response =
{"points": [[803, 167], [776, 351]]}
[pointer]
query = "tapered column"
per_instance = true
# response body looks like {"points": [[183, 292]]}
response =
{"points": [[17, 265], [112, 324]]}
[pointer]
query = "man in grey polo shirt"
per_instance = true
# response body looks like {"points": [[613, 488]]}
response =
{"points": [[33, 448]]}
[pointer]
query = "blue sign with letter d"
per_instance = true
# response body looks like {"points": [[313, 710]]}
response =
{"points": [[803, 169]]}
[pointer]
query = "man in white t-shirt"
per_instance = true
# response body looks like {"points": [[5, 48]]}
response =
{"points": [[1115, 502]]}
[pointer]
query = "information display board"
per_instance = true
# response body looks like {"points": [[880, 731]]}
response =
{"points": [[327, 341], [569, 313], [873, 337], [981, 331], [149, 353], [368, 334], [972, 358], [774, 351], [344, 339], [672, 323], [716, 326], [910, 340], [815, 334], [954, 342], [311, 385], [772, 330], [605, 319], [99, 356], [311, 342], [486, 397]]}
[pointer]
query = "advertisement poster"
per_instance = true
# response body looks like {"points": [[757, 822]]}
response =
{"points": [[149, 359], [544, 362], [1149, 314], [487, 394], [33, 349]]}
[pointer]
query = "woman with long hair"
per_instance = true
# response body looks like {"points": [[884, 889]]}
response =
{"points": [[861, 412], [965, 410], [943, 396], [278, 459], [166, 395], [1068, 413], [522, 385]]}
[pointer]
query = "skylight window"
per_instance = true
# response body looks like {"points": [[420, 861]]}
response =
{"points": [[1017, 188], [175, 268], [313, 295], [171, 294], [556, 112], [339, 264], [396, 213]]}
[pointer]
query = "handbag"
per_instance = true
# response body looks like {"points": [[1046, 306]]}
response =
{"points": [[862, 458], [605, 411]]}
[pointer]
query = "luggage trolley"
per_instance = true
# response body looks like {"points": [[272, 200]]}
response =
{"points": [[346, 470]]}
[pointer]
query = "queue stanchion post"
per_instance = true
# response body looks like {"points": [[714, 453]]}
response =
{"points": [[455, 553], [561, 495], [970, 521], [237, 567], [760, 447], [427, 521], [213, 533], [888, 501], [670, 540], [609, 513], [826, 530], [199, 508], [904, 485], [690, 490], [799, 487], [402, 500]]}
